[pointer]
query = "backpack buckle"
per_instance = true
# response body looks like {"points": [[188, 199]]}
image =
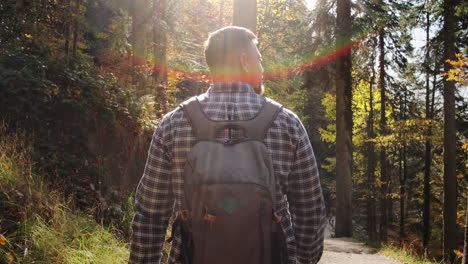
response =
{"points": [[229, 142], [210, 219], [184, 214], [276, 218]]}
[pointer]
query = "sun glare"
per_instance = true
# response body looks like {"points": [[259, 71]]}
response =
{"points": [[310, 4]]}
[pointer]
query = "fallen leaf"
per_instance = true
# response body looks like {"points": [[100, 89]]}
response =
{"points": [[10, 256], [2, 240]]}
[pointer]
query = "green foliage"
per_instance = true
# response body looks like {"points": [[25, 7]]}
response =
{"points": [[74, 239], [89, 133], [90, 114], [45, 229], [406, 255], [360, 106]]}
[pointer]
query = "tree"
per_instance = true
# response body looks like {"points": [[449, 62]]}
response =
{"points": [[428, 146], [67, 26], [245, 14], [383, 130], [76, 26], [371, 162], [465, 245], [344, 124], [450, 180], [160, 27], [139, 20]]}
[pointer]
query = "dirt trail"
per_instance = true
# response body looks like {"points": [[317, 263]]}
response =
{"points": [[351, 251]]}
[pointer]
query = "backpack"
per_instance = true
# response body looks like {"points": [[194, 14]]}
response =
{"points": [[229, 207]]}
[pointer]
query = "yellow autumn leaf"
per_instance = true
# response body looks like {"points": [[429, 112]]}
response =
{"points": [[465, 146], [10, 256], [458, 253], [28, 36], [2, 240]]}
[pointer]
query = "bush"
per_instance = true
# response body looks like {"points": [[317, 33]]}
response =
{"points": [[89, 134], [37, 225]]}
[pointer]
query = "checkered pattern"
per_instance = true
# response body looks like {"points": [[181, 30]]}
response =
{"points": [[160, 191]]}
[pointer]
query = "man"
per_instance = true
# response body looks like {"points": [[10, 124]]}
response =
{"points": [[235, 64]]}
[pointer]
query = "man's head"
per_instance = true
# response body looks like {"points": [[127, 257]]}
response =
{"points": [[232, 55]]}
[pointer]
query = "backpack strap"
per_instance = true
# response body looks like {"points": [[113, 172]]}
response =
{"points": [[207, 129]]}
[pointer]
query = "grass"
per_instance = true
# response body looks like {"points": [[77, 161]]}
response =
{"points": [[37, 225], [75, 239], [406, 252], [404, 255]]}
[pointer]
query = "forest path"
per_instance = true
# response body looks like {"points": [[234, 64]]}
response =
{"points": [[350, 251]]}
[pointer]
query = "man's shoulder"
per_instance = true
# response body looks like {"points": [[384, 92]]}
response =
{"points": [[286, 115], [286, 118], [175, 114]]}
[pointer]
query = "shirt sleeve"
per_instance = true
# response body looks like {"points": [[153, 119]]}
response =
{"points": [[306, 202], [154, 201]]}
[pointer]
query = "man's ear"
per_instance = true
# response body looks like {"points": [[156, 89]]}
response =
{"points": [[244, 62]]}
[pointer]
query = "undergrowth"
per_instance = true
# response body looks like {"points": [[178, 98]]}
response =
{"points": [[404, 255], [37, 224], [408, 252]]}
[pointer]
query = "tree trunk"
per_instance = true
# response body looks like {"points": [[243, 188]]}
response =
{"points": [[221, 14], [371, 221], [76, 27], [383, 130], [435, 73], [138, 40], [403, 168], [450, 180], [343, 125], [67, 29], [428, 147], [403, 177], [160, 56], [19, 4], [465, 246], [160, 42], [138, 30], [245, 14]]}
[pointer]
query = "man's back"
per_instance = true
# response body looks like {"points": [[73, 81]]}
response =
{"points": [[293, 162]]}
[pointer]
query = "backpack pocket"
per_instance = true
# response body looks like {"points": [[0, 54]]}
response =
{"points": [[234, 225]]}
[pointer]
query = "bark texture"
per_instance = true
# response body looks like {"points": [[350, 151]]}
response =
{"points": [[428, 146], [245, 14], [465, 246], [344, 124], [76, 26], [383, 130], [160, 42], [371, 162], [139, 16], [450, 180]]}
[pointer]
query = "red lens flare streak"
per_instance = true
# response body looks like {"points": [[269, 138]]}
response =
{"points": [[282, 72]]}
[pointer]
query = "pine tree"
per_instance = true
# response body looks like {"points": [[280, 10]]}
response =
{"points": [[245, 14], [450, 180], [344, 125]]}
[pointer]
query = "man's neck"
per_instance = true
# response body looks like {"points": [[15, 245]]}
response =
{"points": [[259, 89]]}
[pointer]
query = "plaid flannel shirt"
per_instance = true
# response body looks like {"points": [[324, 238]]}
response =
{"points": [[160, 190]]}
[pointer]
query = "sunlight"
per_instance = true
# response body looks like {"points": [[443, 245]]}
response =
{"points": [[310, 4]]}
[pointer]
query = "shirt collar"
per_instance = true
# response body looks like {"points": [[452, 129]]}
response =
{"points": [[231, 87]]}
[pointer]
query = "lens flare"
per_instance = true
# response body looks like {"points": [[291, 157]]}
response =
{"points": [[283, 69]]}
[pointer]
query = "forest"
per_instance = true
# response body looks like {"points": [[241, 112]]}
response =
{"points": [[380, 85]]}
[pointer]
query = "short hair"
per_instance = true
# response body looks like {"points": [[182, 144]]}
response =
{"points": [[225, 42]]}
